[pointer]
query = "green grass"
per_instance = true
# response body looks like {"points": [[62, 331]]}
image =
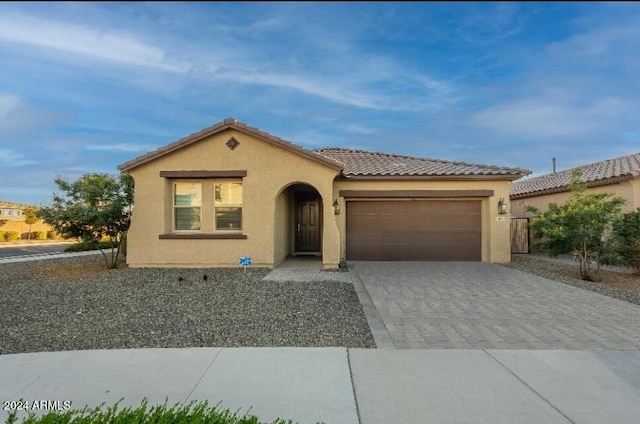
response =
{"points": [[180, 414]]}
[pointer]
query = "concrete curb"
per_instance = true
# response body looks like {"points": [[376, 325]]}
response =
{"points": [[29, 244], [43, 256]]}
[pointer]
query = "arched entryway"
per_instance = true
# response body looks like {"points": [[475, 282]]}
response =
{"points": [[298, 222]]}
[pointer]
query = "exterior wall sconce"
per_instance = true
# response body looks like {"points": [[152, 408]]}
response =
{"points": [[502, 206], [336, 207]]}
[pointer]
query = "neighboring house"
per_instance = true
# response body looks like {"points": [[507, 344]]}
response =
{"points": [[12, 219], [232, 191], [11, 211], [619, 176]]}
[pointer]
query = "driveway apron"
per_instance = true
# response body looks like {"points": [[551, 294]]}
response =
{"points": [[476, 305]]}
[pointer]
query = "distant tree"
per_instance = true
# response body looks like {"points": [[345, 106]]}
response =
{"points": [[30, 217], [95, 207], [580, 226]]}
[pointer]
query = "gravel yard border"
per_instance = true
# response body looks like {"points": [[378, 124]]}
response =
{"points": [[618, 285], [77, 304]]}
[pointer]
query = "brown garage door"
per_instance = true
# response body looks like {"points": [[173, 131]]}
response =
{"points": [[414, 230]]}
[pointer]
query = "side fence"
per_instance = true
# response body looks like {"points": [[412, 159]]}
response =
{"points": [[519, 235]]}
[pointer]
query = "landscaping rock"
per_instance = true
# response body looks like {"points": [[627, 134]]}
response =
{"points": [[78, 304], [619, 285]]}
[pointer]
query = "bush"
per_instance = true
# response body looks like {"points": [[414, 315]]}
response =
{"points": [[193, 412], [2, 235], [627, 234], [579, 226], [11, 235], [52, 235], [38, 235], [84, 246]]}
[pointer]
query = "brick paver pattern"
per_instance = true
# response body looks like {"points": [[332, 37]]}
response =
{"points": [[488, 306]]}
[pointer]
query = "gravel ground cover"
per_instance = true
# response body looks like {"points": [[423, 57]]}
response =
{"points": [[77, 304], [619, 285]]}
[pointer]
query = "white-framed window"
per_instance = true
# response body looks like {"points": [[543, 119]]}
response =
{"points": [[187, 206], [228, 206]]}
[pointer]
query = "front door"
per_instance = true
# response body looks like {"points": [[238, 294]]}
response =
{"points": [[307, 223]]}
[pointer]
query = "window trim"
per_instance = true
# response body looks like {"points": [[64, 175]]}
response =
{"points": [[203, 174], [202, 236]]}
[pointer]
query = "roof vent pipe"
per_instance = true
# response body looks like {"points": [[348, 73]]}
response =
{"points": [[554, 164]]}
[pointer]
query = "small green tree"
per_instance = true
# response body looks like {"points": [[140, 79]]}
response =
{"points": [[580, 226], [30, 217], [627, 235], [95, 207]]}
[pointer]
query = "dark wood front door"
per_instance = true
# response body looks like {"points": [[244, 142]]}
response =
{"points": [[307, 225]]}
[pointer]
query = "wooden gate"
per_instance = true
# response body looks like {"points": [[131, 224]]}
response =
{"points": [[519, 235]]}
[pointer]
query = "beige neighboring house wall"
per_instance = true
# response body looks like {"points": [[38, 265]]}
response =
{"points": [[12, 219], [277, 176], [619, 176]]}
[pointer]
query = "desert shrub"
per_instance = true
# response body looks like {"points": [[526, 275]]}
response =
{"points": [[627, 234], [84, 246], [580, 226], [38, 235], [11, 235]]}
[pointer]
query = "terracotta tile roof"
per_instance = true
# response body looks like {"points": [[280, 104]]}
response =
{"points": [[4, 204], [229, 123], [353, 163], [594, 174], [362, 163]]}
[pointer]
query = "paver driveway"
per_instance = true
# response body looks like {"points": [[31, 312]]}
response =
{"points": [[487, 306]]}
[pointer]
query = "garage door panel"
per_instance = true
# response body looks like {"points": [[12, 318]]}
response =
{"points": [[414, 230]]}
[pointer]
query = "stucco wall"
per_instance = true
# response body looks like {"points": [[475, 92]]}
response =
{"points": [[269, 169], [22, 227], [629, 190], [496, 242], [283, 226]]}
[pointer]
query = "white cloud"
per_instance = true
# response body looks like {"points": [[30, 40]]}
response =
{"points": [[598, 43], [348, 76], [491, 23], [549, 117], [17, 116], [120, 147], [84, 40], [9, 103], [10, 157]]}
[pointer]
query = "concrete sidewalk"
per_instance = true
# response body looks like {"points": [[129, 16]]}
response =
{"points": [[343, 386]]}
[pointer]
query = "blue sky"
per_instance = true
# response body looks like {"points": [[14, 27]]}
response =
{"points": [[87, 86]]}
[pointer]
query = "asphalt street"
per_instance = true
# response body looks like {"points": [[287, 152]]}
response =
{"points": [[14, 250]]}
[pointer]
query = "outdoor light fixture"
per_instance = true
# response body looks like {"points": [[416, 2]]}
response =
{"points": [[502, 206], [336, 207]]}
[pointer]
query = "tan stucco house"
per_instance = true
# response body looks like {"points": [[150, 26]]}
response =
{"points": [[12, 219], [232, 191], [619, 176]]}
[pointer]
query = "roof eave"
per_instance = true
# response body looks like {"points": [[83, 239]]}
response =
{"points": [[483, 177], [589, 184], [223, 126]]}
